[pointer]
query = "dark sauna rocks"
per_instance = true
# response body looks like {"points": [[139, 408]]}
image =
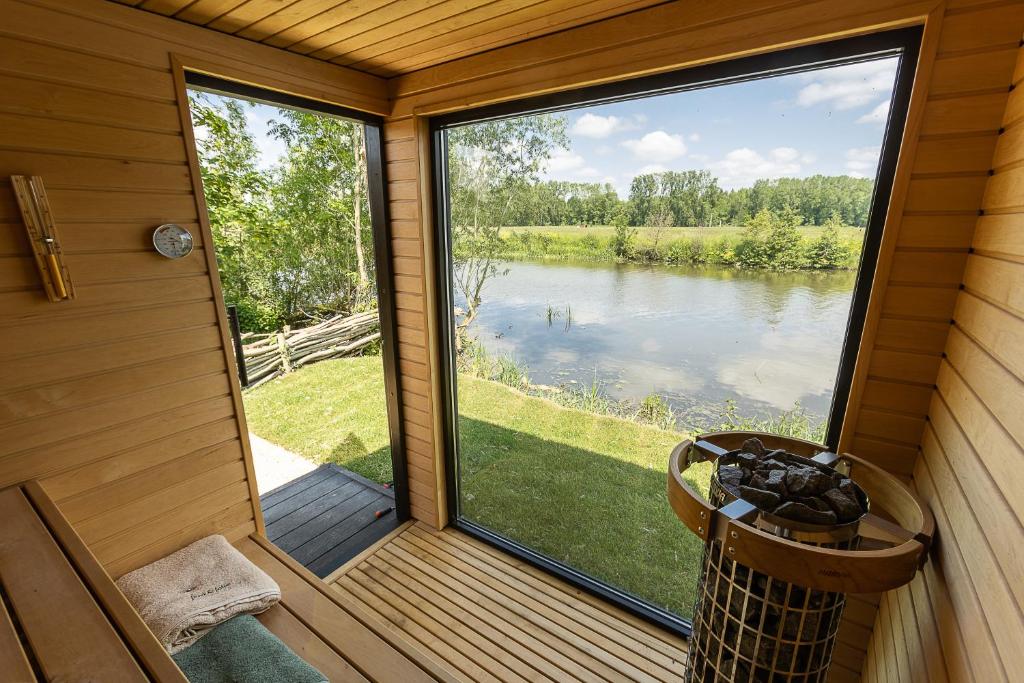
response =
{"points": [[790, 486]]}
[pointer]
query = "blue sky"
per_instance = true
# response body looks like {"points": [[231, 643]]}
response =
{"points": [[827, 121]]}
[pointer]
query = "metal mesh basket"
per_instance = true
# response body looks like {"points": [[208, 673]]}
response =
{"points": [[749, 626]]}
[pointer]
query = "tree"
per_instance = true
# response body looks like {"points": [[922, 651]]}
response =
{"points": [[492, 165], [236, 191], [291, 240], [623, 241], [642, 193], [321, 215]]}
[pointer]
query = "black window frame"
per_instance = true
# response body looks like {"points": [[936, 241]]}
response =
{"points": [[902, 42], [376, 184]]}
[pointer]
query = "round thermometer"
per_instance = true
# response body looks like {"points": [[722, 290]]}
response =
{"points": [[172, 240]]}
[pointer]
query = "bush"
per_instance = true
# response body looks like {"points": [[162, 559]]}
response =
{"points": [[771, 241], [828, 251]]}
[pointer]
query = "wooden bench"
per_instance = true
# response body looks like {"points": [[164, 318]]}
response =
{"points": [[63, 618]]}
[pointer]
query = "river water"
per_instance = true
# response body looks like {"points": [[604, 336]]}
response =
{"points": [[695, 335]]}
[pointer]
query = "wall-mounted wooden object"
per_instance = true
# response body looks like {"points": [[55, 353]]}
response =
{"points": [[42, 235]]}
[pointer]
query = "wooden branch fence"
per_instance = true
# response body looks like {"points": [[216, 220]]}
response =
{"points": [[273, 354]]}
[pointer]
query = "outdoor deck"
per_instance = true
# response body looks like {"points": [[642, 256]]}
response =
{"points": [[483, 615], [328, 516]]}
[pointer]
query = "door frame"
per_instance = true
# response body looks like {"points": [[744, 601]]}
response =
{"points": [[186, 78]]}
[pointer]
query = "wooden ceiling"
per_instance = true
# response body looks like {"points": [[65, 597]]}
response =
{"points": [[389, 37]]}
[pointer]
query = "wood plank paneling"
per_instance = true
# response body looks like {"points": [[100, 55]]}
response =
{"points": [[386, 38], [124, 400], [406, 157], [968, 604]]}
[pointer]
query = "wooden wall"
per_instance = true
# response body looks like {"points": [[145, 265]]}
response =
{"points": [[931, 219], [410, 204], [125, 399], [967, 63], [961, 619]]}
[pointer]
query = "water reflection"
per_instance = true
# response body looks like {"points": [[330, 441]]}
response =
{"points": [[695, 335]]}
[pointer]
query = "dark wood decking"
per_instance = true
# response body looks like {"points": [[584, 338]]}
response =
{"points": [[326, 517]]}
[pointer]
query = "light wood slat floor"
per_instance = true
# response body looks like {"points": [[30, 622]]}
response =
{"points": [[486, 616]]}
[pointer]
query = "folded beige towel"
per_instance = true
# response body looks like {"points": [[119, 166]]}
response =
{"points": [[184, 595]]}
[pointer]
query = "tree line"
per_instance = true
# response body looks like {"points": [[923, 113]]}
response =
{"points": [[691, 198]]}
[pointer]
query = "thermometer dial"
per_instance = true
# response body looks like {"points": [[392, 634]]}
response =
{"points": [[172, 240]]}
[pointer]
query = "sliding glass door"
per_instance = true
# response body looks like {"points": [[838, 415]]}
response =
{"points": [[628, 265]]}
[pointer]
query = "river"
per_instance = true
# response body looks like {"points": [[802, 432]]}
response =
{"points": [[695, 335]]}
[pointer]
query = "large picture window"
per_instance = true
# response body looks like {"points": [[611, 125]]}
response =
{"points": [[627, 265]]}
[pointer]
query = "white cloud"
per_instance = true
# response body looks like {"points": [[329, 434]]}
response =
{"points": [[651, 168], [862, 161], [562, 161], [785, 154], [850, 86], [742, 166], [657, 146], [567, 165], [877, 115], [694, 137], [595, 126]]}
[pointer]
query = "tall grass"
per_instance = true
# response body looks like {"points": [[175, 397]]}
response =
{"points": [[796, 422]]}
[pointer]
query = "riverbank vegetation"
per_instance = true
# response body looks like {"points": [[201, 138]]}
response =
{"points": [[653, 410], [495, 174], [767, 242]]}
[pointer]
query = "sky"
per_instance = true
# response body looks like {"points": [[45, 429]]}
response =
{"points": [[828, 121]]}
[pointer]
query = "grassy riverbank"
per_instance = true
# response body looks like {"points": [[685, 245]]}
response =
{"points": [[675, 246], [586, 489]]}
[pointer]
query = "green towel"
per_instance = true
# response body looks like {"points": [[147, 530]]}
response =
{"points": [[242, 650]]}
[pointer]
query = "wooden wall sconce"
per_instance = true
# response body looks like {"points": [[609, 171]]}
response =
{"points": [[42, 236]]}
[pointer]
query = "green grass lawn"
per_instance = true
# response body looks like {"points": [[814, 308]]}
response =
{"points": [[332, 411], [585, 489]]}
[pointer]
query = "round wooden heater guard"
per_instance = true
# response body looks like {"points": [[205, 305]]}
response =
{"points": [[846, 571]]}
